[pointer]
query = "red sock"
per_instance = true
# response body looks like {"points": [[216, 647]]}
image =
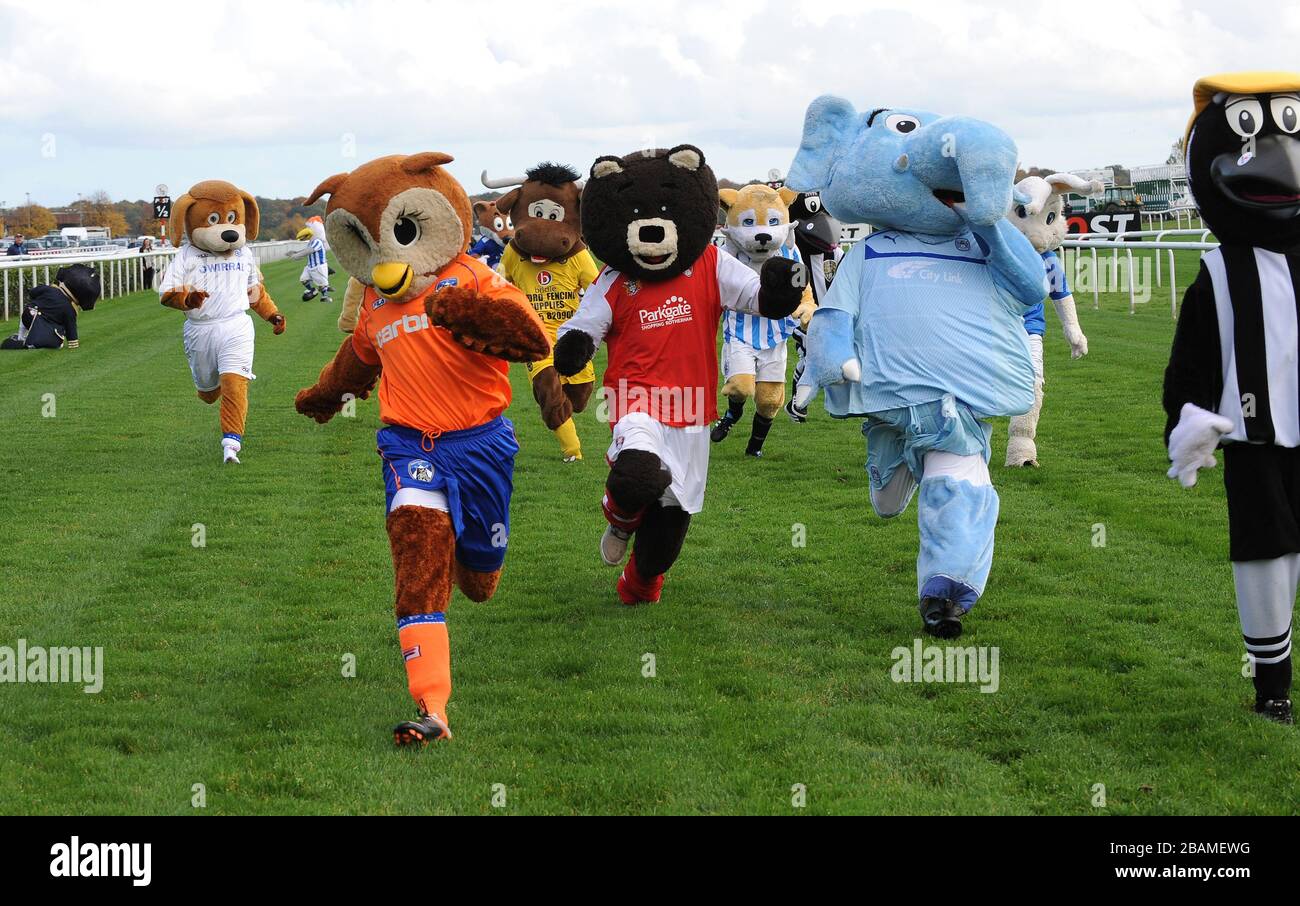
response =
{"points": [[428, 660], [632, 589], [620, 518]]}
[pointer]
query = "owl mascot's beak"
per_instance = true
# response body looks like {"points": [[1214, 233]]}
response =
{"points": [[392, 278]]}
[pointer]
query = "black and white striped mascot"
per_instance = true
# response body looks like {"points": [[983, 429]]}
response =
{"points": [[1233, 379]]}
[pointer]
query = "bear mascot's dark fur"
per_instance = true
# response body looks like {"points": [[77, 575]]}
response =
{"points": [[650, 216]]}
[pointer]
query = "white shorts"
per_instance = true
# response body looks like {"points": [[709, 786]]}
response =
{"points": [[220, 347], [316, 276], [767, 365], [684, 452]]}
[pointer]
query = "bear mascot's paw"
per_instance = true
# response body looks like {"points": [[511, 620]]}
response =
{"points": [[573, 351], [781, 289]]}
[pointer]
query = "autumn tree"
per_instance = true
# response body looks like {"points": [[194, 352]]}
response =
{"points": [[31, 220]]}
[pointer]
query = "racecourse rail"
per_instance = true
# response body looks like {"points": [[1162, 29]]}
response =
{"points": [[1129, 241], [121, 271]]}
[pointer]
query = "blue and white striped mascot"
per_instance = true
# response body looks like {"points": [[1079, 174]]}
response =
{"points": [[754, 347], [922, 332]]}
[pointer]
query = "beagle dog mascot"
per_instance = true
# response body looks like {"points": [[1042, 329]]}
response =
{"points": [[214, 279]]}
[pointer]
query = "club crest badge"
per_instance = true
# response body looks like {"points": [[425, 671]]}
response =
{"points": [[443, 284], [420, 470], [632, 287]]}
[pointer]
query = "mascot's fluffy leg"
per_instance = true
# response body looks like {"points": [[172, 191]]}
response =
{"points": [[738, 389], [423, 544], [1266, 591], [957, 514], [768, 397], [557, 410], [957, 506], [637, 479], [658, 544], [234, 413], [233, 394], [1021, 449]]}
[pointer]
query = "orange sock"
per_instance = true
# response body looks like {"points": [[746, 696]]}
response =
{"points": [[234, 405], [427, 653]]}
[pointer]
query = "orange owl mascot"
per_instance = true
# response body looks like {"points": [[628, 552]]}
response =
{"points": [[437, 328]]}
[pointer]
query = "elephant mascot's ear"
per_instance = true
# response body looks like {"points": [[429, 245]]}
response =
{"points": [[829, 124], [176, 226]]}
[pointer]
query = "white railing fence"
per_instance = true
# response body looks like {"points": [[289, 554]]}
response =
{"points": [[1080, 256], [121, 271], [1186, 214]]}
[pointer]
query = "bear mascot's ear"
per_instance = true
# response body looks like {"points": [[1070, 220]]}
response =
{"points": [[176, 226], [330, 186], [688, 157], [252, 216], [606, 166], [828, 124], [727, 197]]}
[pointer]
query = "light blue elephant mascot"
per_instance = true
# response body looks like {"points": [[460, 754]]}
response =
{"points": [[922, 332]]}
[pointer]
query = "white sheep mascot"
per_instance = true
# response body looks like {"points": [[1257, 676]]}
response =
{"points": [[1042, 221]]}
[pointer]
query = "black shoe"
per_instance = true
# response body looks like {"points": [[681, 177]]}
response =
{"points": [[1278, 709], [796, 414], [308, 294], [421, 731], [942, 617], [722, 428], [756, 453]]}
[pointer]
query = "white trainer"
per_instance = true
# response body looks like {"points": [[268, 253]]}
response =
{"points": [[613, 546], [230, 453]]}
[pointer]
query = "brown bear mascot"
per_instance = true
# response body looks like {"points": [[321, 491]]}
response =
{"points": [[657, 306], [440, 327]]}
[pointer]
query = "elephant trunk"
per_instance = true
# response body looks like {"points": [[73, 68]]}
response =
{"points": [[960, 154]]}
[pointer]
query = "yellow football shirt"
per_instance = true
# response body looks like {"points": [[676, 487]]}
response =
{"points": [[554, 288]]}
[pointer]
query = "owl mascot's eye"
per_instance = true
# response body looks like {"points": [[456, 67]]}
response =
{"points": [[406, 230]]}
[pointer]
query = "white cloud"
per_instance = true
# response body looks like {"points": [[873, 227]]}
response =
{"points": [[263, 93]]}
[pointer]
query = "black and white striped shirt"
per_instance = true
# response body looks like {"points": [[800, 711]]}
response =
{"points": [[1256, 304], [1237, 347]]}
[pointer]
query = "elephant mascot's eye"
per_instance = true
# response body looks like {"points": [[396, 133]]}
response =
{"points": [[406, 230], [1245, 116], [1021, 212], [902, 123], [1051, 217]]}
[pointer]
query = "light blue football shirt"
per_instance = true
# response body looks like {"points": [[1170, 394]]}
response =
{"points": [[930, 320]]}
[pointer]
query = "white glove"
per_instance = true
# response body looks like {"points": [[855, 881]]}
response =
{"points": [[851, 370], [1070, 327], [1192, 442]]}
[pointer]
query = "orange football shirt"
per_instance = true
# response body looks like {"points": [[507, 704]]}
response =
{"points": [[429, 381]]}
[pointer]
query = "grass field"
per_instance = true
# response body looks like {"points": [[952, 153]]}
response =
{"points": [[224, 664]]}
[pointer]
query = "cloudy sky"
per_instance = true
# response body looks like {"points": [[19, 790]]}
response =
{"points": [[277, 94]]}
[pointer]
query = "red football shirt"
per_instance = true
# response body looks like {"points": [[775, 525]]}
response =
{"points": [[662, 336]]}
